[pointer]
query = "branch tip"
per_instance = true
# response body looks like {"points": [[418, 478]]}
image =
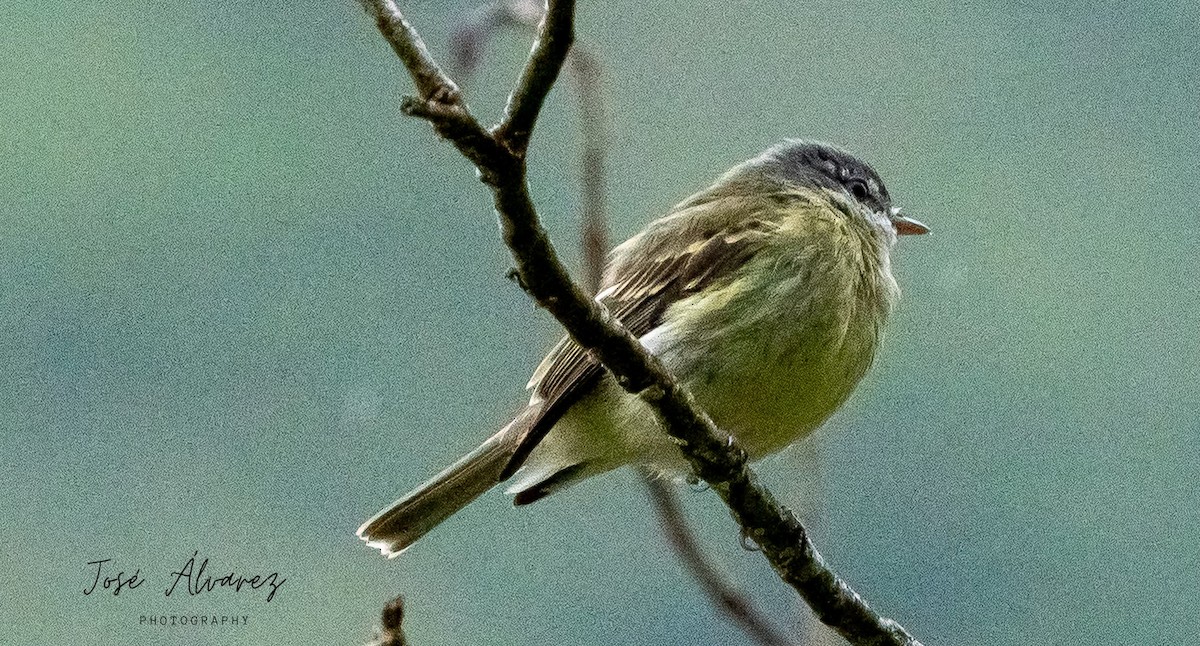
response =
{"points": [[391, 625], [514, 275], [393, 614], [556, 33]]}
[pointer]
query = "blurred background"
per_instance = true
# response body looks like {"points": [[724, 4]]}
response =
{"points": [[244, 304]]}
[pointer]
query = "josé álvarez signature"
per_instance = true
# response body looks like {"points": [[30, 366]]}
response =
{"points": [[193, 578]]}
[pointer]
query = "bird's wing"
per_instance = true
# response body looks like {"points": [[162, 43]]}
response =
{"points": [[644, 283]]}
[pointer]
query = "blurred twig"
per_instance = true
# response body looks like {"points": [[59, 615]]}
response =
{"points": [[391, 632], [499, 155], [585, 69], [723, 594]]}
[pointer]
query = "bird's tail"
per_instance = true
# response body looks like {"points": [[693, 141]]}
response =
{"points": [[403, 522]]}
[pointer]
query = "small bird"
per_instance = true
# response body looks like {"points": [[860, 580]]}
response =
{"points": [[764, 294]]}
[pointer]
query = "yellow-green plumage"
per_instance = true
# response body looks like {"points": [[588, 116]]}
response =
{"points": [[765, 294], [769, 352]]}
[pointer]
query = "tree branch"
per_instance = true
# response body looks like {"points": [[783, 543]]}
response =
{"points": [[555, 35], [407, 43], [714, 455]]}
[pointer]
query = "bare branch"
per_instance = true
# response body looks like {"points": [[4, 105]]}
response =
{"points": [[554, 39], [427, 76], [714, 455]]}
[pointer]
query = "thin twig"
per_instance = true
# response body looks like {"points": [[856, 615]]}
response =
{"points": [[722, 593], [391, 622], [555, 35], [714, 455], [584, 67], [427, 76]]}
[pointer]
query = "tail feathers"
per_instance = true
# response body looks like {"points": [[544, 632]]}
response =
{"points": [[398, 526]]}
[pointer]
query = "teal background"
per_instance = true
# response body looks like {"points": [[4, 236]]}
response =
{"points": [[244, 303]]}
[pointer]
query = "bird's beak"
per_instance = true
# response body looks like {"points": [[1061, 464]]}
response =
{"points": [[906, 226]]}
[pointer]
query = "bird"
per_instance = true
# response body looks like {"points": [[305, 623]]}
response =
{"points": [[765, 295]]}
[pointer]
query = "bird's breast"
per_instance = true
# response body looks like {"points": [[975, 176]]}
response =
{"points": [[770, 359]]}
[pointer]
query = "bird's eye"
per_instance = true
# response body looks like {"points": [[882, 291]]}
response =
{"points": [[858, 189]]}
